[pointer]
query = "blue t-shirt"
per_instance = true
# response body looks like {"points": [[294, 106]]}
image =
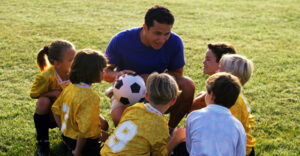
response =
{"points": [[126, 51]]}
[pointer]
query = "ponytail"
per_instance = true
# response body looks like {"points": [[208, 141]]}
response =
{"points": [[41, 60]]}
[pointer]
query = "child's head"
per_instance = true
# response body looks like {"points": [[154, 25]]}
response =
{"points": [[161, 88], [222, 89], [213, 56], [59, 53], [237, 65], [88, 67]]}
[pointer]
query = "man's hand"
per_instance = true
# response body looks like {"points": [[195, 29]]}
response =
{"points": [[123, 72], [110, 75]]}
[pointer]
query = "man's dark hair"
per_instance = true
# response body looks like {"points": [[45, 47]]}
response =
{"points": [[87, 66], [226, 88], [160, 14], [219, 49]]}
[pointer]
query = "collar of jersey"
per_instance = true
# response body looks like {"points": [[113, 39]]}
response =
{"points": [[152, 109], [218, 109], [60, 81], [248, 108], [82, 84]]}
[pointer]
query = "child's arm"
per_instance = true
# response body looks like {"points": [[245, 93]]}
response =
{"points": [[52, 94], [79, 146], [57, 120], [177, 138]]}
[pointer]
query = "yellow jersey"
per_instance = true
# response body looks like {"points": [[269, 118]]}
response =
{"points": [[242, 112], [142, 131], [79, 110], [46, 81]]}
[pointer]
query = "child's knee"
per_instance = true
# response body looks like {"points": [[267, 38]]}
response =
{"points": [[43, 105]]}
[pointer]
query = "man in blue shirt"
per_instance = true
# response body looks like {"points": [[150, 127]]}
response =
{"points": [[151, 48]]}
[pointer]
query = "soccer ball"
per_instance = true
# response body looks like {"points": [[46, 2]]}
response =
{"points": [[129, 89]]}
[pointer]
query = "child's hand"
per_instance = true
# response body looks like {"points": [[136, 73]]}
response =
{"points": [[56, 93], [52, 94], [104, 136], [76, 153], [201, 94], [199, 101], [179, 134]]}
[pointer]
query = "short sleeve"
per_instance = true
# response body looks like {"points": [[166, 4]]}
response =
{"points": [[112, 52], [177, 60], [241, 145], [39, 86], [159, 149], [56, 107], [87, 118], [236, 109]]}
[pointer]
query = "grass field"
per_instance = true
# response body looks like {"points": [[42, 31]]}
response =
{"points": [[267, 32]]}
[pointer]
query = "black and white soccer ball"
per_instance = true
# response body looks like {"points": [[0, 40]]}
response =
{"points": [[129, 89]]}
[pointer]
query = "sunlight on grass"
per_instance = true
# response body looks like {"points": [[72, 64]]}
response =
{"points": [[267, 32]]}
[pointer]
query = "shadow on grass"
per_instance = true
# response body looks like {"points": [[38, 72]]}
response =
{"points": [[60, 150]]}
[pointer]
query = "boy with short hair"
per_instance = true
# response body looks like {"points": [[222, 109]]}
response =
{"points": [[213, 130], [142, 129]]}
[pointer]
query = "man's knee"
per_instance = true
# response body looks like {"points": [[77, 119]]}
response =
{"points": [[187, 86]]}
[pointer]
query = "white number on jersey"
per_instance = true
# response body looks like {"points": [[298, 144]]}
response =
{"points": [[66, 109], [123, 134]]}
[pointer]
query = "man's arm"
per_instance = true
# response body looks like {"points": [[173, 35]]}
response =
{"points": [[110, 75]]}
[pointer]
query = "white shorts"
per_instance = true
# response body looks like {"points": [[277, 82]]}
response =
{"points": [[113, 102]]}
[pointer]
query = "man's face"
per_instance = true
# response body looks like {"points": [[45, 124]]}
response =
{"points": [[157, 35]]}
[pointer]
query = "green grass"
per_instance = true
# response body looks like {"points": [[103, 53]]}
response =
{"points": [[267, 32]]}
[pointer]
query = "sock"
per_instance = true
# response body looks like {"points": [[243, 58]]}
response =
{"points": [[42, 127]]}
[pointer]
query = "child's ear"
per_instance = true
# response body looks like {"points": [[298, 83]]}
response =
{"points": [[173, 102], [147, 96], [212, 96], [56, 63]]}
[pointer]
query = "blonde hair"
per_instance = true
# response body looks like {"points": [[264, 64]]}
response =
{"points": [[161, 88], [238, 65]]}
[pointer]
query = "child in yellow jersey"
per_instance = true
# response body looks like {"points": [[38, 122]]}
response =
{"points": [[48, 85], [77, 109], [142, 129], [241, 67]]}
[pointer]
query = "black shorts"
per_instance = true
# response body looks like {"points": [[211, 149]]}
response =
{"points": [[180, 150], [91, 147]]}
